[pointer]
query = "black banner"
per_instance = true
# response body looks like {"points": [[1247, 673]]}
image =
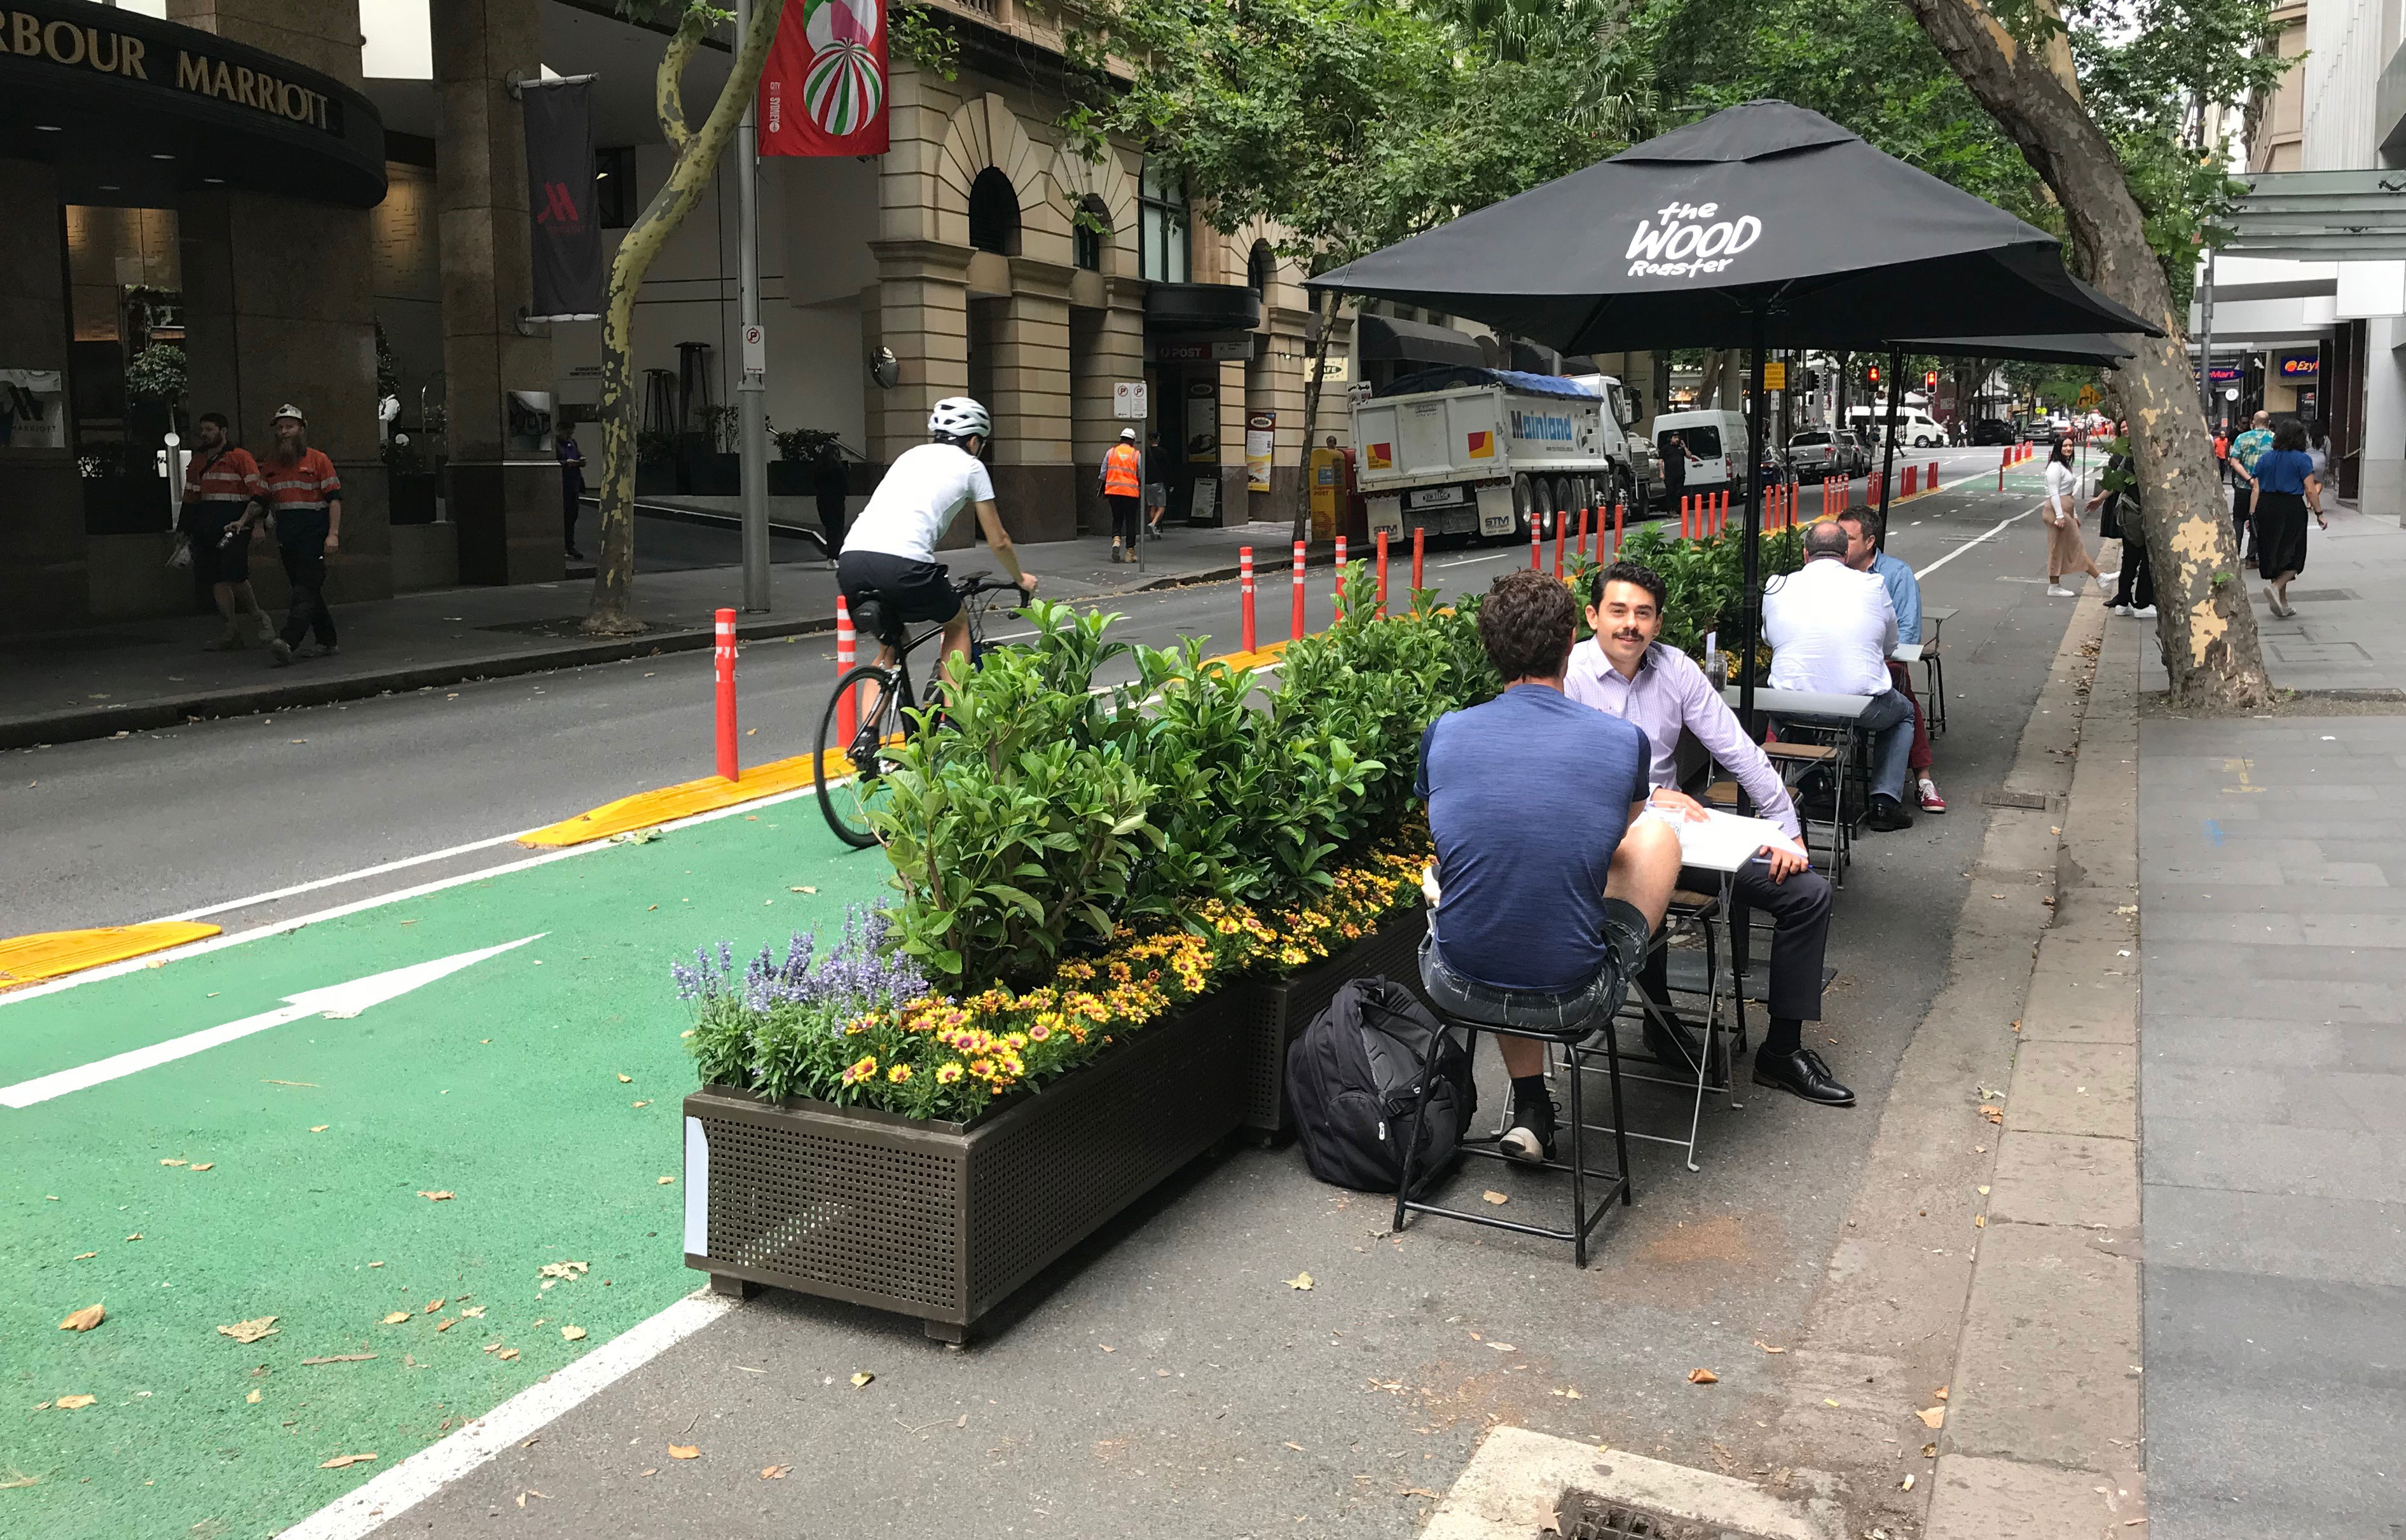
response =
{"points": [[567, 238]]}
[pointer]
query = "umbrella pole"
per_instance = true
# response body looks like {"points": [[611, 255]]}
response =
{"points": [[1752, 626], [1887, 456]]}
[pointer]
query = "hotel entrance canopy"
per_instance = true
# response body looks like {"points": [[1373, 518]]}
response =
{"points": [[136, 112], [2320, 217]]}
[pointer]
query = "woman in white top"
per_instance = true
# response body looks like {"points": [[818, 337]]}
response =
{"points": [[2065, 552]]}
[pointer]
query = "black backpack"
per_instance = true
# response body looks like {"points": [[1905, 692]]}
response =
{"points": [[1351, 1079]]}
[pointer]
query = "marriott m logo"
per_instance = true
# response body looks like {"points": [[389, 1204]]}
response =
{"points": [[558, 206]]}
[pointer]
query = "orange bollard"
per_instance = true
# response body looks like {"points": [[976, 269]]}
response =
{"points": [[1382, 572], [723, 671], [847, 711], [1912, 476], [1929, 478], [1297, 634], [1685, 498], [1619, 512], [1245, 594], [1583, 540], [1420, 546], [1561, 522], [1537, 545], [1336, 589]]}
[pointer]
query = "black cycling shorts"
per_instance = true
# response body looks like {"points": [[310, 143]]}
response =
{"points": [[904, 591]]}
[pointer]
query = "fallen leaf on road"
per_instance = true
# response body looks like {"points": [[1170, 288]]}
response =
{"points": [[171, 1162], [1767, 1347], [473, 1312], [684, 1451], [667, 1181], [337, 1358], [563, 1269], [447, 1323], [1107, 1347], [643, 1104], [1568, 1394], [802, 890], [1703, 1377], [1939, 1393], [1929, 1451], [433, 1306], [81, 1256], [203, 1165], [1979, 1222], [774, 1473], [508, 1352], [75, 1402], [1297, 1449], [135, 1235], [84, 1320], [249, 1331], [862, 1379], [1300, 1280], [1503, 1346], [253, 1398], [574, 1333], [396, 1317], [1932, 1417], [1494, 1197], [433, 1197], [319, 1128], [626, 1080], [342, 1460], [1993, 1114], [20, 1479]]}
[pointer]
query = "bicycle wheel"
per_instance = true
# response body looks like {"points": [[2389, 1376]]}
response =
{"points": [[848, 803]]}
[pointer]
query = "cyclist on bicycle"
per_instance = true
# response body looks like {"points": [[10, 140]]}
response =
{"points": [[890, 554]]}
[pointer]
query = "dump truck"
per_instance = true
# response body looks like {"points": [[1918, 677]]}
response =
{"points": [[1492, 452]]}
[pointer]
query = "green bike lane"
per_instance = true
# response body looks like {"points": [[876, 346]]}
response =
{"points": [[539, 1087]]}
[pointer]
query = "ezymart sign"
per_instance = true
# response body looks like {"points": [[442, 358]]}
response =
{"points": [[1689, 240]]}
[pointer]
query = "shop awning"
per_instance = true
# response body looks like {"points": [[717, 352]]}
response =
{"points": [[1383, 338], [136, 112], [2320, 216]]}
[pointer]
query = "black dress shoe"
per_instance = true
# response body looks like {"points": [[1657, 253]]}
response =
{"points": [[1801, 1073], [1888, 815]]}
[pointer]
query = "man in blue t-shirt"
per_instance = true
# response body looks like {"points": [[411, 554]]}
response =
{"points": [[1550, 882]]}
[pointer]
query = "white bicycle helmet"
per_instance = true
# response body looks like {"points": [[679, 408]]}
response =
{"points": [[959, 417]]}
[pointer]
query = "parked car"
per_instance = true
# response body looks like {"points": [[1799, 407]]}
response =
{"points": [[1991, 431], [1817, 454], [1858, 449]]}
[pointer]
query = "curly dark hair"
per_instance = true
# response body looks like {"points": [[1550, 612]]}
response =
{"points": [[1526, 623], [2290, 435], [1628, 571]]}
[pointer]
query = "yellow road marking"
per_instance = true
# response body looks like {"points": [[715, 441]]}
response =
{"points": [[50, 953]]}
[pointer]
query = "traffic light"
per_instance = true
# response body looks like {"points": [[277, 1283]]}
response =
{"points": [[1812, 379], [1930, 378], [1874, 374]]}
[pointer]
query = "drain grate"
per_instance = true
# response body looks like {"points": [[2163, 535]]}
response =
{"points": [[2322, 596], [2009, 799], [1601, 1521]]}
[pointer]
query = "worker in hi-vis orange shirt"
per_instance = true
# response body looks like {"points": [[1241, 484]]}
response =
{"points": [[1123, 492]]}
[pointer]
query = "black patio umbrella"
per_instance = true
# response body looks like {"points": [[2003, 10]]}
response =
{"points": [[1765, 225]]}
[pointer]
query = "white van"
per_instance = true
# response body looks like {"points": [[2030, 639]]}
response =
{"points": [[1915, 428], [1716, 439]]}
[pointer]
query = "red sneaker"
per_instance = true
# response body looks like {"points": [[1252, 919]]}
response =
{"points": [[1931, 800]]}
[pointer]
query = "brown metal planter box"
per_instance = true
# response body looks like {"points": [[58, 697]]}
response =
{"points": [[1275, 1010], [943, 1221]]}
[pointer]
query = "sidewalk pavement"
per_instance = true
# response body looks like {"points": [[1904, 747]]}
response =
{"points": [[2272, 1073], [138, 675]]}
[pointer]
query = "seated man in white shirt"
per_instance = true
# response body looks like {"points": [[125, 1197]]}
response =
{"points": [[1831, 630]]}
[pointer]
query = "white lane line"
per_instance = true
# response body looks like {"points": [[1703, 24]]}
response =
{"points": [[436, 1466], [1975, 541], [280, 927], [298, 888], [338, 1002]]}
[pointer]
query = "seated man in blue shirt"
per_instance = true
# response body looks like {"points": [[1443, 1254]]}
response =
{"points": [[1865, 528], [1545, 902]]}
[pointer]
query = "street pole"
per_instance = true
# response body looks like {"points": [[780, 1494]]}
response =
{"points": [[2205, 351], [1751, 608], [1887, 456], [752, 393]]}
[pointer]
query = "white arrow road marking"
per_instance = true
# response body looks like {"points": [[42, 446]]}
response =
{"points": [[337, 1002]]}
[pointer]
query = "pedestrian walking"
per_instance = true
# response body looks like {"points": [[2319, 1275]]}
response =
{"points": [[572, 488], [2245, 450], [2318, 445], [304, 501], [2065, 551], [2135, 593], [1123, 487], [1156, 486], [1675, 471], [221, 483], [829, 487], [2285, 487]]}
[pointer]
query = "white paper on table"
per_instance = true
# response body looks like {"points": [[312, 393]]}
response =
{"points": [[1725, 841]]}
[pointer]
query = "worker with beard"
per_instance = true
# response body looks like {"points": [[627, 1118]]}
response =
{"points": [[304, 500], [1661, 692]]}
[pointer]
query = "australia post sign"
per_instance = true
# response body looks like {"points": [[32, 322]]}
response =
{"points": [[1689, 240], [823, 90]]}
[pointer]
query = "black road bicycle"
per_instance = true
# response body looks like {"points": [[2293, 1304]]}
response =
{"points": [[847, 804]]}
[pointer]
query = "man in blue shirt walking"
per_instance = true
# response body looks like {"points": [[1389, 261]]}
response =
{"points": [[1551, 874]]}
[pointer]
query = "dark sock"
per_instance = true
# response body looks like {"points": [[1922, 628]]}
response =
{"points": [[1785, 1036], [1529, 1091]]}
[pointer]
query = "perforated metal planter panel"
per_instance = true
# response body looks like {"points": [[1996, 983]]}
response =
{"points": [[1275, 1012], [940, 1220]]}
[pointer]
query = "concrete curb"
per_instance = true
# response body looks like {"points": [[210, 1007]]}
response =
{"points": [[287, 692], [1523, 1485]]}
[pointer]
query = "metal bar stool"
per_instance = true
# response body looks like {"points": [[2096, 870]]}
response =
{"points": [[1579, 1041], [1933, 667]]}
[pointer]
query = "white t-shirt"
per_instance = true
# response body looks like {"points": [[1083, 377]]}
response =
{"points": [[922, 491], [1831, 630], [2063, 491]]}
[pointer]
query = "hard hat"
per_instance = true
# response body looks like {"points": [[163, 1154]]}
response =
{"points": [[289, 410], [1128, 434]]}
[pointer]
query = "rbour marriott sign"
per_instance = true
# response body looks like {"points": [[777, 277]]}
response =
{"points": [[110, 52], [132, 109]]}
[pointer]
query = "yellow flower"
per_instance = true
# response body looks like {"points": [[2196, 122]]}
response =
{"points": [[900, 1074], [948, 1074], [861, 1069]]}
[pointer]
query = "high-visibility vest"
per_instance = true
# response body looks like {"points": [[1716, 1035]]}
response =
{"points": [[230, 476], [306, 485], [1123, 472]]}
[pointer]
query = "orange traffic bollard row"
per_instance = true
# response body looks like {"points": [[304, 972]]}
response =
{"points": [[723, 667], [847, 711], [1245, 595], [1297, 634], [1420, 548], [1382, 574]]}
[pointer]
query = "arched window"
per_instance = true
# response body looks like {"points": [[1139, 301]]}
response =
{"points": [[1161, 231], [1090, 232], [994, 213], [1261, 268]]}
